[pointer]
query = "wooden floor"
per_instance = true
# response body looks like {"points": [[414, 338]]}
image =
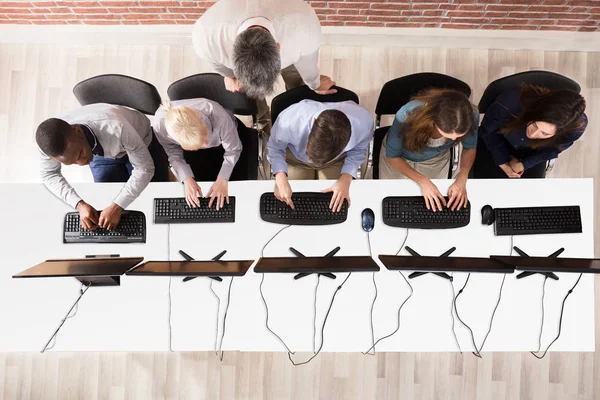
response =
{"points": [[36, 82]]}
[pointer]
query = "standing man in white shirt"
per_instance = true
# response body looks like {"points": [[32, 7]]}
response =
{"points": [[250, 42], [117, 143], [314, 140]]}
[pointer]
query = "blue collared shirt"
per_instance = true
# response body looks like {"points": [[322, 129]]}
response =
{"points": [[292, 127]]}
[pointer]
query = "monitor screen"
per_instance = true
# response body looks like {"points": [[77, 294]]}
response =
{"points": [[81, 267], [444, 264], [193, 268], [547, 264], [316, 264]]}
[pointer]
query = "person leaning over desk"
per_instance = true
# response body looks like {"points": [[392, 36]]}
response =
{"points": [[185, 126], [251, 42], [314, 140], [524, 128], [417, 145], [117, 143]]}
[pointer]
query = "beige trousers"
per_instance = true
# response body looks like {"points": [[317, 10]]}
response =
{"points": [[298, 170], [435, 168]]}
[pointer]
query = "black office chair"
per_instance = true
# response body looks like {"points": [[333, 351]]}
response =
{"points": [[483, 166], [211, 86], [120, 90], [395, 94]]}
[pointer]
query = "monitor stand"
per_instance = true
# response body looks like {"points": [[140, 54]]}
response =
{"points": [[440, 274], [550, 275], [325, 274], [215, 258]]}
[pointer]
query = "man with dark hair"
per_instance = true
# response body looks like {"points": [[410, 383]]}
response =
{"points": [[313, 140], [117, 143], [249, 42]]}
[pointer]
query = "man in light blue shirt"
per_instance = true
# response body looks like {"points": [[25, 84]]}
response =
{"points": [[313, 140]]}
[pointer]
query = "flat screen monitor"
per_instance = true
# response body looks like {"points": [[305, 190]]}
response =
{"points": [[193, 268], [548, 264], [444, 264], [316, 264], [81, 267]]}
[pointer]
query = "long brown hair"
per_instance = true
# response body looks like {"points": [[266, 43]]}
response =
{"points": [[562, 108], [449, 110]]}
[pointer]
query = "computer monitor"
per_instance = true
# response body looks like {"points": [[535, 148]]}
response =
{"points": [[316, 265], [444, 264], [192, 268], [546, 264], [89, 271]]}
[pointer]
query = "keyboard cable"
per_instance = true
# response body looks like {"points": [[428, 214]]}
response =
{"points": [[368, 352]]}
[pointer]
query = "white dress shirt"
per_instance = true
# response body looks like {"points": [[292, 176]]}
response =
{"points": [[222, 130], [296, 28], [120, 131], [293, 125]]}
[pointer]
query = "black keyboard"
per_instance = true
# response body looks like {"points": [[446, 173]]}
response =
{"points": [[537, 220], [176, 211], [131, 229], [412, 212], [310, 209]]}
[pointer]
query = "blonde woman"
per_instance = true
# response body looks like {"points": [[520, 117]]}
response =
{"points": [[183, 127]]}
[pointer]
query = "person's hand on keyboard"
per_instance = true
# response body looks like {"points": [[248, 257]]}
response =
{"points": [[341, 191], [192, 192], [457, 195], [218, 191], [283, 190], [87, 215], [433, 198], [110, 217]]}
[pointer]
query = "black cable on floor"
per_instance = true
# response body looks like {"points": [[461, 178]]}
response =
{"points": [[562, 309]]}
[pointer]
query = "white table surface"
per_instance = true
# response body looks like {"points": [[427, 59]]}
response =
{"points": [[134, 316]]}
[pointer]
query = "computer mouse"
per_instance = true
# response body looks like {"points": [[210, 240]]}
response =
{"points": [[487, 215], [368, 220]]}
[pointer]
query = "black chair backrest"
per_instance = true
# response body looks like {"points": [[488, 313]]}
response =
{"points": [[547, 79], [120, 90], [211, 86], [397, 92], [296, 95]]}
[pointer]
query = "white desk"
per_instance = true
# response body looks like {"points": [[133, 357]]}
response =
{"points": [[133, 317]]}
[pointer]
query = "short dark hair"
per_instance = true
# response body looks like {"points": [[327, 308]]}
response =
{"points": [[256, 62], [329, 135], [52, 136]]}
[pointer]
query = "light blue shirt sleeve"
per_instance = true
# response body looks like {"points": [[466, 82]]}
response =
{"points": [[362, 129], [395, 141], [277, 145], [470, 140]]}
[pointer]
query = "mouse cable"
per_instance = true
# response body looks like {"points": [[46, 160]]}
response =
{"points": [[452, 313], [398, 321], [373, 303], [315, 314], [403, 242], [562, 309], [272, 237], [295, 364], [475, 351], [368, 352]]}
